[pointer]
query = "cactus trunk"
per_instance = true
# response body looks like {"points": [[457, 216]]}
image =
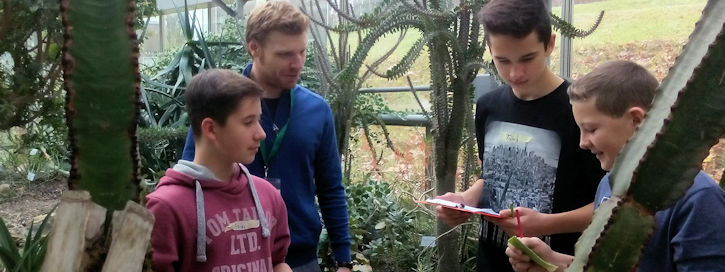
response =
{"points": [[100, 68]]}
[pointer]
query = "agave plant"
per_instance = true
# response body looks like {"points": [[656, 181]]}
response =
{"points": [[170, 83], [659, 163], [163, 121], [30, 257]]}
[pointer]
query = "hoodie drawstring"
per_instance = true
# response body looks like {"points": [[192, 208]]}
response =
{"points": [[200, 226], [201, 217], [260, 211]]}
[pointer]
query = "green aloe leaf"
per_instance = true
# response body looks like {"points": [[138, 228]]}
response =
{"points": [[534, 257], [9, 253]]}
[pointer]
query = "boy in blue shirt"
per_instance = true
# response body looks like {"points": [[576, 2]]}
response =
{"points": [[609, 104]]}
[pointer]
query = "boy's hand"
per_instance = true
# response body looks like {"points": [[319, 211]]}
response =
{"points": [[450, 216], [532, 222], [521, 262], [282, 267]]}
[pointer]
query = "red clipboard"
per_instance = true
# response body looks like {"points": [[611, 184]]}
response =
{"points": [[461, 207]]}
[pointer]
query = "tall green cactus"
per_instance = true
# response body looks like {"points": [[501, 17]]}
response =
{"points": [[100, 71], [659, 163]]}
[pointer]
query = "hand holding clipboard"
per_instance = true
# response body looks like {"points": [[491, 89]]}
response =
{"points": [[460, 207]]}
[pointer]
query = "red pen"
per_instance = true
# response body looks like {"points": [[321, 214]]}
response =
{"points": [[518, 223]]}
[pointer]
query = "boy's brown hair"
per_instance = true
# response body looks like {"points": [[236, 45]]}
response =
{"points": [[616, 86], [216, 94], [516, 18], [279, 16]]}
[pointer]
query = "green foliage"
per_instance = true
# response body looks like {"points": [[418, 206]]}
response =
{"points": [[227, 48], [163, 116], [30, 257], [102, 99], [144, 10], [26, 162], [659, 163], [341, 70], [368, 107], [162, 94], [385, 228], [29, 64], [392, 24], [311, 77], [159, 147]]}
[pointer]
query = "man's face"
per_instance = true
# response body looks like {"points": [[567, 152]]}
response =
{"points": [[603, 134], [238, 139], [279, 59], [521, 62]]}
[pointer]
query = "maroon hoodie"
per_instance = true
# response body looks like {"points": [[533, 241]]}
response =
{"points": [[234, 238]]}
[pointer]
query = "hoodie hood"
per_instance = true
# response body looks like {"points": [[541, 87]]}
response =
{"points": [[186, 173], [196, 176], [197, 171]]}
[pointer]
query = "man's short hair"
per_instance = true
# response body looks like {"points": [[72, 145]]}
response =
{"points": [[616, 86], [216, 94], [279, 16], [516, 18]]}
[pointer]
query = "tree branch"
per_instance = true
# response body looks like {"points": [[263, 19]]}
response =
{"points": [[5, 17], [342, 14], [366, 132], [327, 32], [329, 39], [312, 18], [415, 94], [374, 66], [226, 8], [423, 11]]}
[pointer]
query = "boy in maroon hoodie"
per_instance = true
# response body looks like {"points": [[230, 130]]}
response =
{"points": [[211, 214]]}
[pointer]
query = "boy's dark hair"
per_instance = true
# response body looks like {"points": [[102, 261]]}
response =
{"points": [[516, 18], [216, 94], [616, 86]]}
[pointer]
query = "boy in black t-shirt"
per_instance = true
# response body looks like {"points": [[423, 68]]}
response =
{"points": [[527, 141]]}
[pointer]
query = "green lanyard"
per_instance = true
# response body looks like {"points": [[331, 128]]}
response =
{"points": [[268, 155]]}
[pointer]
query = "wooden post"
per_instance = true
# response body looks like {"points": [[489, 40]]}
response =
{"points": [[77, 226], [131, 235], [76, 220]]}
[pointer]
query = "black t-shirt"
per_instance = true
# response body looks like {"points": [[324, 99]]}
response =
{"points": [[271, 104], [531, 158]]}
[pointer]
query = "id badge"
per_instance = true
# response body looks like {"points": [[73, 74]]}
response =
{"points": [[276, 182]]}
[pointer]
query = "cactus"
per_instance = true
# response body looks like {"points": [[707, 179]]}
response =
{"points": [[102, 82], [101, 78], [659, 163]]}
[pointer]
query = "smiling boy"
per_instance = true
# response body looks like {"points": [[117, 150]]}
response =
{"points": [[609, 104]]}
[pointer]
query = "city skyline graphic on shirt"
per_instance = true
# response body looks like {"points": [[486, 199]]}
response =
{"points": [[519, 166]]}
